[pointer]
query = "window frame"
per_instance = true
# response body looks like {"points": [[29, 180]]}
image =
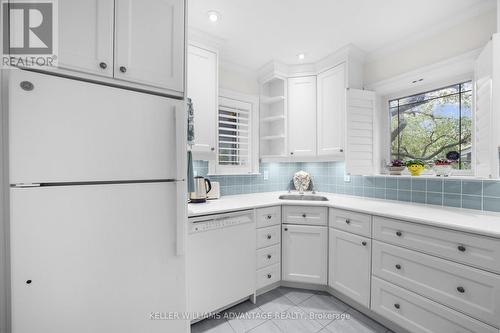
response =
{"points": [[418, 89], [253, 166]]}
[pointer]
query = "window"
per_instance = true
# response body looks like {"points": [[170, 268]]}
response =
{"points": [[429, 125], [234, 135]]}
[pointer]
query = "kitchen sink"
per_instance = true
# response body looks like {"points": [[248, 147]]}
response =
{"points": [[304, 197]]}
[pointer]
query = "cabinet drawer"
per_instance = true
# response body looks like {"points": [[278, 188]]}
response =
{"points": [[268, 256], [466, 289], [268, 216], [480, 251], [418, 314], [268, 236], [268, 275], [356, 223], [305, 215]]}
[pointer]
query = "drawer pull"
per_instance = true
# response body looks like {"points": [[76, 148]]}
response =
{"points": [[304, 215], [397, 306], [269, 276], [269, 236], [461, 290], [398, 266], [347, 221], [269, 217], [269, 256], [286, 229], [399, 233], [363, 243], [461, 248]]}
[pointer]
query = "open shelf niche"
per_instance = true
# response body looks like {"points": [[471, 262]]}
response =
{"points": [[273, 118]]}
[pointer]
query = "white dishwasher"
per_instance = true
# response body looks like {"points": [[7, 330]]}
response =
{"points": [[220, 260]]}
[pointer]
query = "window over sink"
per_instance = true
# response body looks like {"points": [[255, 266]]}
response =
{"points": [[429, 125]]}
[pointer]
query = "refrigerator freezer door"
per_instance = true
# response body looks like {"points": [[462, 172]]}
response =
{"points": [[71, 131], [96, 258]]}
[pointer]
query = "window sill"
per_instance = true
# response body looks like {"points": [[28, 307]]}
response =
{"points": [[431, 176], [234, 174]]}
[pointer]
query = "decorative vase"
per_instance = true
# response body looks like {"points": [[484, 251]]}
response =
{"points": [[301, 181], [443, 170], [416, 169], [396, 171]]}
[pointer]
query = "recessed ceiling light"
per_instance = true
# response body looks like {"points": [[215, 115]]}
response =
{"points": [[213, 16], [301, 56]]}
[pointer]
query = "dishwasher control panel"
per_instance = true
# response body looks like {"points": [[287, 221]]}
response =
{"points": [[219, 221]]}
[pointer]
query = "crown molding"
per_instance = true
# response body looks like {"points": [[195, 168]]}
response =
{"points": [[466, 15], [199, 36]]}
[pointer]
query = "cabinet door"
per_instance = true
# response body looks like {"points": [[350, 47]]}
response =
{"points": [[149, 43], [302, 116], [331, 111], [86, 36], [349, 265], [305, 251], [202, 88]]}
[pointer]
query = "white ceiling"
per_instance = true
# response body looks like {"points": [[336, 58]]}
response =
{"points": [[253, 32]]}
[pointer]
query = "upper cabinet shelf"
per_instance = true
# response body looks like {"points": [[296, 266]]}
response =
{"points": [[272, 100]]}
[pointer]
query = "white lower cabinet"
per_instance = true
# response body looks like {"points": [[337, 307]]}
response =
{"points": [[304, 253], [349, 265], [419, 314], [268, 252]]}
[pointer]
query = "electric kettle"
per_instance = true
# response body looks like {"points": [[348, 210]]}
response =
{"points": [[201, 187]]}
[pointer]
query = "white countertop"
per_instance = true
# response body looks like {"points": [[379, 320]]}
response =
{"points": [[475, 221]]}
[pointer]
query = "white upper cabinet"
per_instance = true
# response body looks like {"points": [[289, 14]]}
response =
{"points": [[86, 36], [202, 88], [149, 43], [305, 250], [331, 111], [302, 116]]}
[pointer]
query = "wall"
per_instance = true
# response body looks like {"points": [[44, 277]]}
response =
{"points": [[236, 78], [329, 177], [418, 52]]}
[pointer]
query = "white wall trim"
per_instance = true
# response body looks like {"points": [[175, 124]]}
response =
{"points": [[453, 67], [453, 20]]}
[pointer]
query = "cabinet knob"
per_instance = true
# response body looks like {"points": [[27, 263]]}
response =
{"points": [[291, 153], [212, 149], [269, 276], [103, 65], [27, 86], [269, 236], [461, 248], [269, 256], [123, 69], [304, 215], [341, 150], [461, 290], [28, 282], [269, 217], [347, 221], [286, 229], [398, 266], [397, 306], [363, 243], [399, 233]]}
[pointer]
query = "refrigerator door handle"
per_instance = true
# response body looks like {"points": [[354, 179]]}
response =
{"points": [[181, 123]]}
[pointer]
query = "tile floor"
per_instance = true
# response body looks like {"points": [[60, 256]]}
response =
{"points": [[287, 310]]}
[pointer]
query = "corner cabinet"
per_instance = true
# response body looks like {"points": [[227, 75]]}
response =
{"points": [[302, 116], [202, 88], [304, 253], [331, 111]]}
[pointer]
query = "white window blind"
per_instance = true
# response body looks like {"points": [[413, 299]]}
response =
{"points": [[234, 136]]}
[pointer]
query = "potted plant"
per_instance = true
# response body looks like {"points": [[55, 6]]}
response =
{"points": [[396, 167], [415, 167], [442, 167]]}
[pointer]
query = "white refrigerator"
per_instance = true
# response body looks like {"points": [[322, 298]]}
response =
{"points": [[98, 208]]}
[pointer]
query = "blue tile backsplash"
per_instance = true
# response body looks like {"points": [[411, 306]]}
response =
{"points": [[329, 177]]}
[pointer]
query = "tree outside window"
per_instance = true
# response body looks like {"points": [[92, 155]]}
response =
{"points": [[429, 125]]}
